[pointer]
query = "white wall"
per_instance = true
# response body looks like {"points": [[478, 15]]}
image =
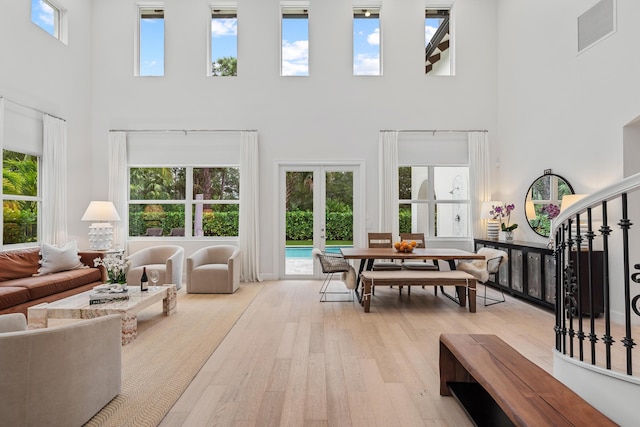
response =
{"points": [[330, 115], [43, 73], [559, 109]]}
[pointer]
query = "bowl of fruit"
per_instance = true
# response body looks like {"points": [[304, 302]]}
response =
{"points": [[404, 246]]}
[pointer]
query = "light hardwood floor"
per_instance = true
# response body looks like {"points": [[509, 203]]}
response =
{"points": [[294, 361]]}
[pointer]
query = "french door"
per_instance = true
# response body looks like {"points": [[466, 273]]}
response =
{"points": [[319, 209]]}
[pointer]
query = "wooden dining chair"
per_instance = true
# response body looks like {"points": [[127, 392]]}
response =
{"points": [[382, 240], [416, 265]]}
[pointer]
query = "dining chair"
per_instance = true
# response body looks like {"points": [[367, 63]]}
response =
{"points": [[417, 265], [484, 269], [382, 240]]}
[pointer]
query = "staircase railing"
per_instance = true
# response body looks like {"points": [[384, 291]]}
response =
{"points": [[597, 254]]}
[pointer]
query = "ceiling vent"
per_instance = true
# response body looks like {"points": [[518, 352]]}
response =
{"points": [[596, 23]]}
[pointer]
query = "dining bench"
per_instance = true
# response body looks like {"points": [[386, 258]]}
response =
{"points": [[464, 282], [498, 386]]}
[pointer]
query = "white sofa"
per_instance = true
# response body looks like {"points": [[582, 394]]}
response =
{"points": [[58, 376]]}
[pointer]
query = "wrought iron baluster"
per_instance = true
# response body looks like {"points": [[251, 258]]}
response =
{"points": [[625, 225], [578, 288], [605, 231], [593, 338]]}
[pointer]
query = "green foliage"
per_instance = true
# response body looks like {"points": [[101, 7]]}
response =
{"points": [[220, 223], [225, 66], [404, 216], [340, 226], [299, 225]]}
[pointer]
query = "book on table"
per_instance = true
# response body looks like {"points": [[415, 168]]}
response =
{"points": [[105, 297]]}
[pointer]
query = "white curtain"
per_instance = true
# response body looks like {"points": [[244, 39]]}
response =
{"points": [[118, 186], [249, 231], [479, 176], [388, 182], [54, 181]]}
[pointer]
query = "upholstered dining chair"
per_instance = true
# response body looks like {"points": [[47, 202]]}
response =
{"points": [[382, 240], [416, 265], [214, 270], [166, 259]]}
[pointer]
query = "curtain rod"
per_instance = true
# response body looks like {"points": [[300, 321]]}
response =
{"points": [[31, 108], [433, 130], [185, 131]]}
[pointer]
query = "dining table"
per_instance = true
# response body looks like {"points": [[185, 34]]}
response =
{"points": [[367, 255]]}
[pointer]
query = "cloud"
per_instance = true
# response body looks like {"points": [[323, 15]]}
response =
{"points": [[366, 65], [295, 58], [224, 27], [45, 13], [374, 38], [428, 33]]}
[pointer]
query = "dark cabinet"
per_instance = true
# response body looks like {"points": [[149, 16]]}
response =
{"points": [[531, 273]]}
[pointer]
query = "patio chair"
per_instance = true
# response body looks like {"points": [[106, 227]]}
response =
{"points": [[332, 263], [154, 231]]}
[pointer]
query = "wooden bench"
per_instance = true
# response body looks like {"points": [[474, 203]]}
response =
{"points": [[499, 387], [464, 283]]}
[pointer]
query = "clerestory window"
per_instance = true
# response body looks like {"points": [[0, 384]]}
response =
{"points": [[51, 18], [295, 39], [437, 32], [150, 42], [366, 42], [224, 41]]}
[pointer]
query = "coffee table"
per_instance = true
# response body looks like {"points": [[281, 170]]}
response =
{"points": [[78, 307]]}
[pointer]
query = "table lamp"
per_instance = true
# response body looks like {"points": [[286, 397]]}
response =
{"points": [[493, 225], [100, 231]]}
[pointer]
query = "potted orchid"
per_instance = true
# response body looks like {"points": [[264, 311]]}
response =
{"points": [[116, 267], [502, 213]]}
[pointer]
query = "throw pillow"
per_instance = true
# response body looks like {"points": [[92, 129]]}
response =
{"points": [[56, 259]]}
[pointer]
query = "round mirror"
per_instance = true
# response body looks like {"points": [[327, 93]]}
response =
{"points": [[542, 203]]}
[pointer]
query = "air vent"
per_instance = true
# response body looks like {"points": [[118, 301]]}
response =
{"points": [[596, 23]]}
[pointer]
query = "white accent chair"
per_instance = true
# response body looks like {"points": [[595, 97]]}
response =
{"points": [[214, 270], [58, 376], [166, 259], [483, 269]]}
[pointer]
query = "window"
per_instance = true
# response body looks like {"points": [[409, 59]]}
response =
{"points": [[366, 42], [224, 42], [151, 42], [437, 37], [295, 41], [206, 198], [20, 197], [434, 200], [48, 17]]}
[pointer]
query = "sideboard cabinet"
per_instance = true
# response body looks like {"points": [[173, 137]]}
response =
{"points": [[530, 272]]}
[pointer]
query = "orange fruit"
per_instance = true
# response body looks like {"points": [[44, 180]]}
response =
{"points": [[397, 245], [413, 243]]}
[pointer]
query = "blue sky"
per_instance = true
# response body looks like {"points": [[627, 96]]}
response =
{"points": [[224, 32], [43, 16]]}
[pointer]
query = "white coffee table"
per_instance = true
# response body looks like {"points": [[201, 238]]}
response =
{"points": [[78, 307]]}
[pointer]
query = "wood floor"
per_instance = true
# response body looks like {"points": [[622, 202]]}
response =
{"points": [[293, 361]]}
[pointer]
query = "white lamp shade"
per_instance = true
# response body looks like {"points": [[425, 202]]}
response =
{"points": [[488, 207], [569, 199], [101, 211], [530, 210]]}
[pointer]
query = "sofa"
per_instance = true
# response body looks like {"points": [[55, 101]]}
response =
{"points": [[58, 376], [22, 286]]}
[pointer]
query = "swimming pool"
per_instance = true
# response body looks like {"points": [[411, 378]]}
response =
{"points": [[305, 251]]}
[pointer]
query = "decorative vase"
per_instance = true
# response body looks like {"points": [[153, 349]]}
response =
{"points": [[493, 227], [506, 236]]}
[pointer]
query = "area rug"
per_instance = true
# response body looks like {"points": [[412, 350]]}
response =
{"points": [[168, 353]]}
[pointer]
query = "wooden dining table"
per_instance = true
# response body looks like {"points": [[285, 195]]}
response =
{"points": [[369, 254]]}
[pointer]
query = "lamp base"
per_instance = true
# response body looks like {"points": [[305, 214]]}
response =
{"points": [[100, 236], [493, 228]]}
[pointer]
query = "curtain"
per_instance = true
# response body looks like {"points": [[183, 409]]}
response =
{"points": [[480, 184], [118, 186], [388, 182], [54, 181], [249, 231]]}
